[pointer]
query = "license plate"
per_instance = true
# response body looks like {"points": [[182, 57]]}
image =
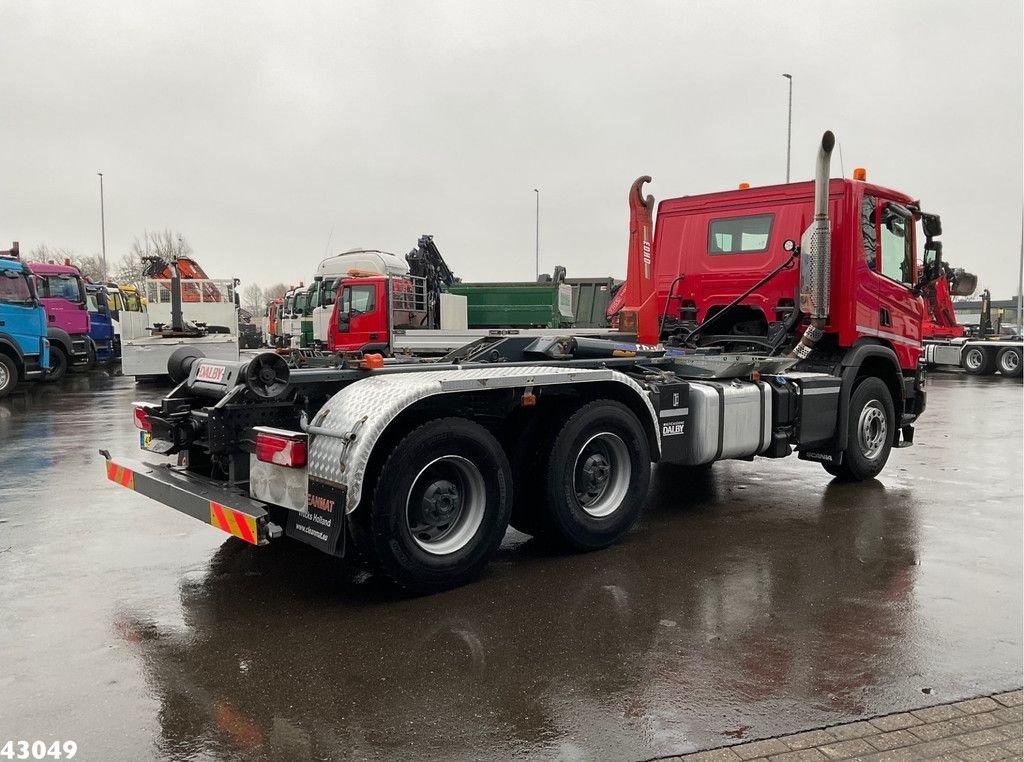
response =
{"points": [[211, 373], [145, 438]]}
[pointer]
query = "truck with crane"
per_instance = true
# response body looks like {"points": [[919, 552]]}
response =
{"points": [[419, 307], [420, 465], [981, 351], [24, 345], [192, 316]]}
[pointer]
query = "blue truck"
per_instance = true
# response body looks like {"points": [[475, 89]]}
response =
{"points": [[101, 324], [24, 348]]}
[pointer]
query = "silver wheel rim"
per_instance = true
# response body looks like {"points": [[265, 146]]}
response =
{"points": [[5, 377], [445, 505], [974, 358], [601, 474], [872, 429], [1009, 362]]}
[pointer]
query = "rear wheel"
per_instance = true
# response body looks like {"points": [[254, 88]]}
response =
{"points": [[58, 363], [440, 507], [8, 376], [598, 472], [1008, 362], [978, 361], [870, 431]]}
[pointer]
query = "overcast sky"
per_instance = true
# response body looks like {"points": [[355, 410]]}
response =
{"points": [[269, 133]]}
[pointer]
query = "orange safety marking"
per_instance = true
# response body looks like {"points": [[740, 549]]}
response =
{"points": [[233, 522], [120, 475]]}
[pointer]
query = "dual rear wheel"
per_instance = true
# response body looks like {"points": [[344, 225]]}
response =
{"points": [[444, 494]]}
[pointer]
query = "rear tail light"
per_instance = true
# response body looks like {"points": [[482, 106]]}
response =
{"points": [[281, 448], [142, 419]]}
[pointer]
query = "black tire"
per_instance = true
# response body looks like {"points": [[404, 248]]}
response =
{"points": [[978, 361], [8, 376], [870, 432], [598, 473], [448, 467], [1008, 362], [58, 363]]}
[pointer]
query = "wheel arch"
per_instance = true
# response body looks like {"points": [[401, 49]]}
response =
{"points": [[61, 337], [357, 427], [870, 358], [11, 349]]}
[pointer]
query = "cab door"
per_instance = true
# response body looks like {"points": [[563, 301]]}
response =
{"points": [[359, 321], [892, 259]]}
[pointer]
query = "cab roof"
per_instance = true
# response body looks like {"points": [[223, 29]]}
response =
{"points": [[774, 194]]}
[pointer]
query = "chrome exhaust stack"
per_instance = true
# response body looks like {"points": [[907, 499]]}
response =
{"points": [[816, 256]]}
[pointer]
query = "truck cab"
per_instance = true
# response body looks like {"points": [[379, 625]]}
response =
{"points": [[359, 321], [128, 312], [711, 249], [24, 348], [62, 292], [101, 323], [329, 273]]}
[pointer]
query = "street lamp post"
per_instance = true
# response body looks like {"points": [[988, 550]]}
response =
{"points": [[789, 122], [103, 229], [537, 249]]}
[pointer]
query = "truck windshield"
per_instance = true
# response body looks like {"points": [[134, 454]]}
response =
{"points": [[63, 287], [131, 302], [14, 288]]}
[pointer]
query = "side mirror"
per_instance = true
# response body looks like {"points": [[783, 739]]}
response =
{"points": [[931, 225], [931, 264]]}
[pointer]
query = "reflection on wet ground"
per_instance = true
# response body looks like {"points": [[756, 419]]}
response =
{"points": [[756, 599]]}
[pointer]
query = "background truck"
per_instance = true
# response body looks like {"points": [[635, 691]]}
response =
{"points": [[192, 316], [101, 324], [981, 350], [24, 348], [426, 310], [62, 292], [129, 313], [421, 465]]}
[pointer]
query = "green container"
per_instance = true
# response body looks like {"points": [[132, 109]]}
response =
{"points": [[516, 305], [590, 300]]}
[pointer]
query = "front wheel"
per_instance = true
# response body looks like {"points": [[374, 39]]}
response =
{"points": [[870, 432], [440, 507], [598, 473], [1008, 362], [8, 376], [58, 363]]}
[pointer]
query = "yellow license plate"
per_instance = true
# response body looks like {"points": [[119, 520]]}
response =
{"points": [[144, 439]]}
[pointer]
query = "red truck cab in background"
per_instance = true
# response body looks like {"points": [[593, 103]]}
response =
{"points": [[359, 319]]}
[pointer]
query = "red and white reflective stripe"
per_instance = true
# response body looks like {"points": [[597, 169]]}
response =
{"points": [[234, 522]]}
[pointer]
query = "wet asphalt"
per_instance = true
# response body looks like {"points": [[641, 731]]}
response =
{"points": [[757, 600]]}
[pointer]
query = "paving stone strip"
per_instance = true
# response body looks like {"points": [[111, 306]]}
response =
{"points": [[978, 730]]}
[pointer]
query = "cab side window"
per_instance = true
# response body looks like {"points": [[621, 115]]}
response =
{"points": [[896, 243], [888, 240]]}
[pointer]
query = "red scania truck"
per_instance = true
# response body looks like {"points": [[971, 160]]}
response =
{"points": [[751, 345]]}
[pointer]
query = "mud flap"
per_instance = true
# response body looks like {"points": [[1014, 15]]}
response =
{"points": [[323, 524]]}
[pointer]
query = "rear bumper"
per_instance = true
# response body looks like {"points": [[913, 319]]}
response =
{"points": [[210, 503]]}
